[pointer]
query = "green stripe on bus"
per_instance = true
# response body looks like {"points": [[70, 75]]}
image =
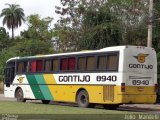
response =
{"points": [[44, 88], [35, 87]]}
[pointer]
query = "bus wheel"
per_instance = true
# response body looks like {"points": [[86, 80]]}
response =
{"points": [[45, 101], [83, 99], [19, 95]]}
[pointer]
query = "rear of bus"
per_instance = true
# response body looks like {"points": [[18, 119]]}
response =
{"points": [[139, 83]]}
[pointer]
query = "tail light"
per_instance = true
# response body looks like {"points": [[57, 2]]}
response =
{"points": [[122, 87]]}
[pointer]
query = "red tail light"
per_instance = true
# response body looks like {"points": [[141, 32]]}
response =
{"points": [[122, 87]]}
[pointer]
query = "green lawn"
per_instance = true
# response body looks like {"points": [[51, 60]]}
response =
{"points": [[13, 107], [45, 111]]}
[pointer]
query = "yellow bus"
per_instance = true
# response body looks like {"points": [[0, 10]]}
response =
{"points": [[109, 76]]}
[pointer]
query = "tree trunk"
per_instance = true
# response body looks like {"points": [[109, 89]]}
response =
{"points": [[12, 33]]}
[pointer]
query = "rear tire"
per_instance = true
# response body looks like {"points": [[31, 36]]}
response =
{"points": [[83, 99], [19, 95], [45, 101]]}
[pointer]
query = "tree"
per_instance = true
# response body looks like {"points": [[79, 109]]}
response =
{"points": [[30, 47], [38, 28], [101, 28], [4, 38], [86, 25], [133, 16], [13, 16], [94, 24], [156, 26]]}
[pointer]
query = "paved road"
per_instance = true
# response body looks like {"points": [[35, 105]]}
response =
{"points": [[141, 107], [6, 99]]}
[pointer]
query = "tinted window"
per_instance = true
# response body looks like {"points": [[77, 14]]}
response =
{"points": [[22, 66], [81, 63], [48, 65], [33, 66], [64, 64], [112, 62], [55, 66], [39, 65], [102, 62], [71, 63], [36, 66], [91, 63]]}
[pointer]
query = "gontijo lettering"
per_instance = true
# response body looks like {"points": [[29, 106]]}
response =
{"points": [[74, 78], [142, 66]]}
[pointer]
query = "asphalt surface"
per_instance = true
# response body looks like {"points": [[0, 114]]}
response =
{"points": [[2, 98], [125, 107], [141, 107]]}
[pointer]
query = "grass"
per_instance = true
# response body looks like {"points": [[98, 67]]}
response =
{"points": [[49, 111], [38, 108]]}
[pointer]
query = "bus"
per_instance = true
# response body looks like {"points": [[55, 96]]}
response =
{"points": [[110, 76]]}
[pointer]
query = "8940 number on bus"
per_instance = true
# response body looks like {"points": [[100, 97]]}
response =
{"points": [[140, 82], [104, 78]]}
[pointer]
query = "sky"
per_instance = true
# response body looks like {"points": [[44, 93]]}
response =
{"points": [[44, 8]]}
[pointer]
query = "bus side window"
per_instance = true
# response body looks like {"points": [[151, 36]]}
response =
{"points": [[36, 66], [81, 63], [91, 63], [101, 62], [20, 67], [71, 63], [48, 66], [55, 66], [33, 66], [39, 66], [23, 67], [112, 62], [64, 64]]}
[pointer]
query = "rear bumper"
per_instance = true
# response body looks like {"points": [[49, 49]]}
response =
{"points": [[134, 98]]}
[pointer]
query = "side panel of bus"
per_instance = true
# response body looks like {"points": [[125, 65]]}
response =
{"points": [[55, 87]]}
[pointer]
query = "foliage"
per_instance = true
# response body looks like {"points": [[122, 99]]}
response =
{"points": [[156, 26], [158, 65], [88, 25], [24, 48], [96, 24], [156, 31], [4, 39], [100, 29], [4, 56], [133, 16], [13, 16], [34, 41], [33, 47], [38, 28]]}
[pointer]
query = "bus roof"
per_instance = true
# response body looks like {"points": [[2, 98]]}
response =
{"points": [[114, 48]]}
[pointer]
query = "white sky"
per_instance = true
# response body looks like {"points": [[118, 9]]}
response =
{"points": [[44, 8]]}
